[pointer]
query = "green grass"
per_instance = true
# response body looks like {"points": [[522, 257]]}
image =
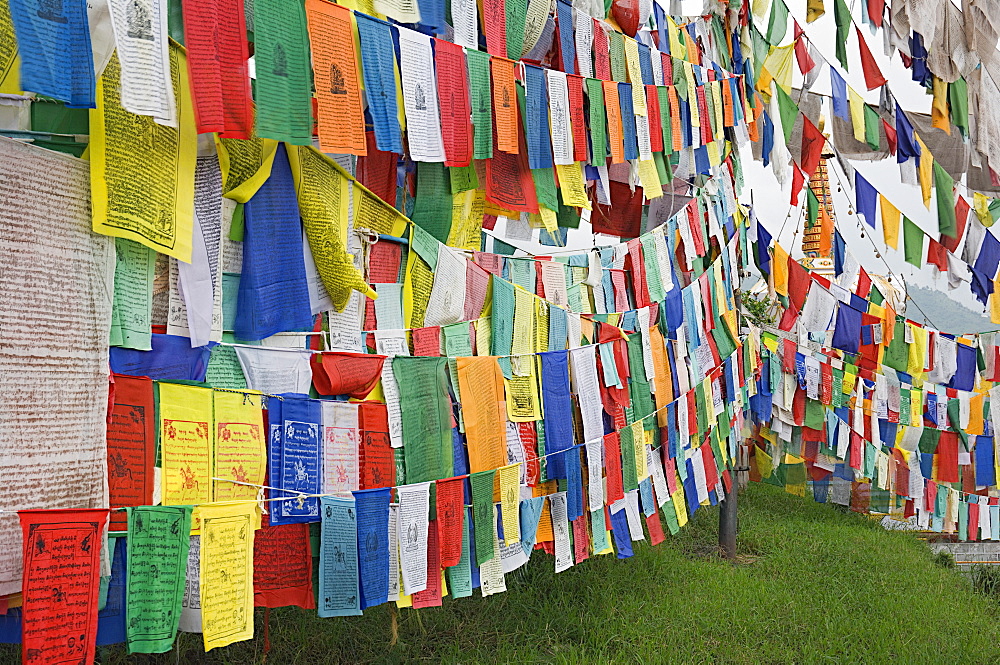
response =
{"points": [[815, 585]]}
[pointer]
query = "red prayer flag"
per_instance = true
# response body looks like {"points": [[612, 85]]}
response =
{"points": [[798, 180], [495, 19], [431, 596], [653, 110], [602, 52], [577, 117], [623, 217], [812, 146], [215, 37], [453, 97], [427, 341], [937, 254], [947, 457], [60, 584], [962, 211], [450, 515], [613, 468], [377, 171], [873, 76], [890, 136], [282, 567], [131, 446], [875, 10], [377, 458], [581, 539], [656, 535], [806, 63], [353, 374]]}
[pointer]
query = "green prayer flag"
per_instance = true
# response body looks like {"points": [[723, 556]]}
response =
{"points": [[944, 194], [787, 109], [545, 188], [630, 479], [842, 17], [897, 352], [958, 102], [598, 123], [483, 514], [432, 205], [815, 414], [812, 208], [662, 92], [517, 13], [502, 248], [929, 439], [463, 178], [158, 538], [913, 243], [618, 67], [426, 414], [460, 575], [872, 123], [567, 217], [481, 99], [284, 72], [777, 26]]}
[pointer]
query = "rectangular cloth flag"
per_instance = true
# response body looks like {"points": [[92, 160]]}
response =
{"points": [[131, 446], [61, 584], [158, 538]]}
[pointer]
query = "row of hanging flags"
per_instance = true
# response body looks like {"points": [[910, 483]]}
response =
{"points": [[445, 413], [867, 408]]}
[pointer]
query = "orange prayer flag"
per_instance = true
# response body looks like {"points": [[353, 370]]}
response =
{"points": [[341, 118], [504, 104], [615, 132]]}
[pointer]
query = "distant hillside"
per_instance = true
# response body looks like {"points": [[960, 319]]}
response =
{"points": [[946, 311]]}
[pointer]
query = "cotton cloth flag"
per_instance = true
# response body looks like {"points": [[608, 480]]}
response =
{"points": [[890, 222], [339, 593], [61, 552], [226, 572], [158, 538]]}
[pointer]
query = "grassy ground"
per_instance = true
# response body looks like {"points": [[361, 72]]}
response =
{"points": [[815, 585]]}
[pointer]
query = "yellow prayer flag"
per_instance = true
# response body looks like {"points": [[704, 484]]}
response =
{"points": [[142, 172], [939, 105], [572, 186], [639, 450], [857, 107], [238, 451], [779, 270], [226, 572], [679, 507], [10, 62], [510, 499], [918, 354], [245, 165], [185, 443], [981, 204], [890, 222], [764, 463], [323, 190], [925, 173], [995, 300], [650, 179], [467, 219], [634, 70]]}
